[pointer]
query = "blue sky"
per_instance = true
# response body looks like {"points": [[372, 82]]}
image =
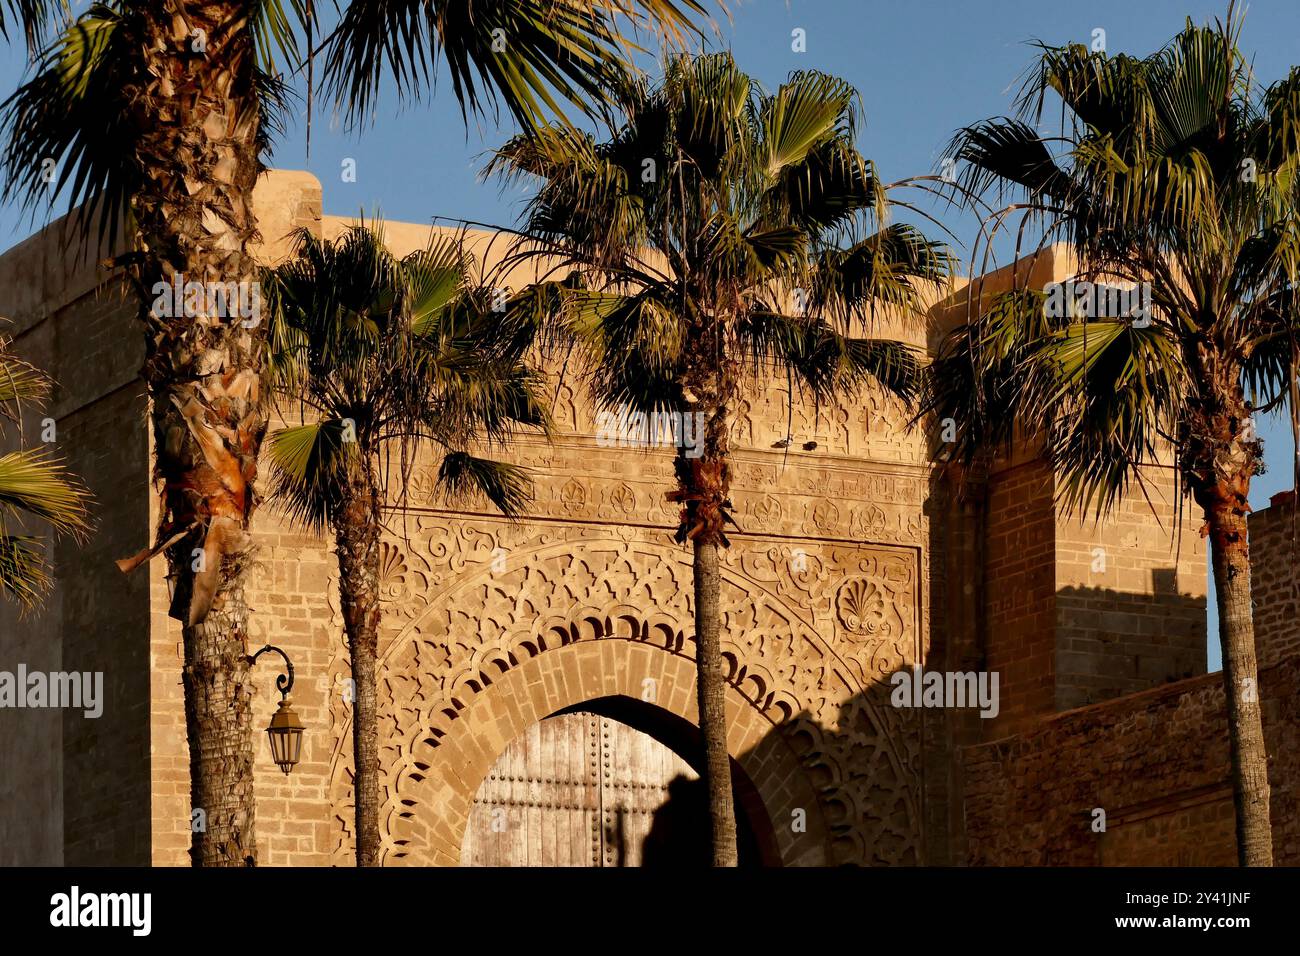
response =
{"points": [[923, 67]]}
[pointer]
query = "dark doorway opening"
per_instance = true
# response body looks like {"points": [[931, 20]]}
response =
{"points": [[609, 782]]}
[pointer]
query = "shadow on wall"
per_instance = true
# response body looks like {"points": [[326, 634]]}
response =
{"points": [[865, 765], [1088, 646], [839, 789], [861, 782], [1111, 643], [857, 780], [679, 829]]}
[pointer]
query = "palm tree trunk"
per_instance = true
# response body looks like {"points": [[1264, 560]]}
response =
{"points": [[218, 725], [712, 691], [197, 134], [703, 488], [1230, 555], [357, 530]]}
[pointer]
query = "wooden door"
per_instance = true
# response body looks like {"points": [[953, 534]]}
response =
{"points": [[579, 789]]}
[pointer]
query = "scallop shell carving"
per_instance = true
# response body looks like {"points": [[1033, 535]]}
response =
{"points": [[392, 570], [862, 608]]}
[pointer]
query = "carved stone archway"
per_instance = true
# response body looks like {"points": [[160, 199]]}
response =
{"points": [[493, 627], [427, 824]]}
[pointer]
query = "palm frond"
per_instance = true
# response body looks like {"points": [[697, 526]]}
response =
{"points": [[889, 268], [464, 475], [1175, 172], [36, 483], [25, 573], [309, 469], [527, 55], [68, 127], [19, 382], [686, 234], [32, 18], [826, 363], [384, 356]]}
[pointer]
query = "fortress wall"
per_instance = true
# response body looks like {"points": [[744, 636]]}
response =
{"points": [[1073, 609], [827, 593], [1275, 579], [72, 785], [1020, 593], [1130, 596], [1157, 764], [840, 574]]}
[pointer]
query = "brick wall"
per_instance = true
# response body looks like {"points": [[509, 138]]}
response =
{"points": [[1275, 579], [1155, 762], [1130, 597], [72, 785], [1020, 596], [72, 789], [291, 594], [1079, 610]]}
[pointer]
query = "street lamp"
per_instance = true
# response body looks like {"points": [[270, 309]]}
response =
{"points": [[285, 730]]}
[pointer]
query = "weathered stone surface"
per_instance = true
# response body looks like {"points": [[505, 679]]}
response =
{"points": [[1157, 764], [1275, 579]]}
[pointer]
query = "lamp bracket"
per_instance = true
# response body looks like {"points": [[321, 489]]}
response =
{"points": [[283, 682]]}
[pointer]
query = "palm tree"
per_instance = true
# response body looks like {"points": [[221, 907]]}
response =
{"points": [[384, 354], [159, 115], [720, 231], [33, 485], [1174, 174]]}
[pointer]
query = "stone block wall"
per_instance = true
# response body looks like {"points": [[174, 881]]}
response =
{"points": [[1156, 762], [71, 787], [1130, 597], [1275, 579], [1020, 592], [293, 599], [1072, 609], [832, 585]]}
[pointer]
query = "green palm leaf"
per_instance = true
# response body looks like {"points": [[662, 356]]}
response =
{"points": [[524, 54], [309, 469], [506, 486], [35, 485], [385, 356], [35, 482]]}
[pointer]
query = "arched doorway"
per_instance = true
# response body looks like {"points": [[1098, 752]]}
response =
{"points": [[439, 766], [591, 786]]}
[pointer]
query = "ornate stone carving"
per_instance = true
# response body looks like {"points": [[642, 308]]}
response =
{"points": [[573, 497], [817, 685], [623, 498], [393, 572], [861, 608]]}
